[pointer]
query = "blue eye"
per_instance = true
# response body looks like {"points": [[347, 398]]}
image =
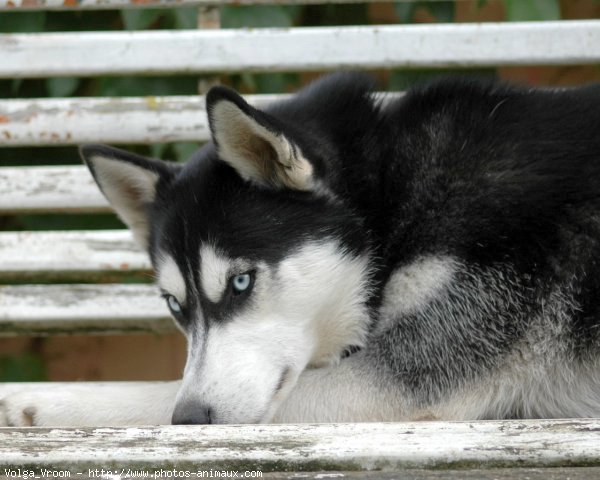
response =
{"points": [[173, 304], [241, 283]]}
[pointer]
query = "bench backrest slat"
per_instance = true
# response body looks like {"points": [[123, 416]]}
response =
{"points": [[73, 121], [49, 189], [82, 309], [96, 255], [306, 49]]}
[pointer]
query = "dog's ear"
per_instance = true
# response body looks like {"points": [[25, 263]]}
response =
{"points": [[255, 144], [129, 182]]}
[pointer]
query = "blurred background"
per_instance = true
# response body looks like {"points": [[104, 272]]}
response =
{"points": [[154, 357]]}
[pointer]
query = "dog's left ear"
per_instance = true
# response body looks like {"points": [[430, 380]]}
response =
{"points": [[129, 182], [255, 144]]}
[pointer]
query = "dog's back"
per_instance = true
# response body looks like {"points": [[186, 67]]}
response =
{"points": [[482, 204]]}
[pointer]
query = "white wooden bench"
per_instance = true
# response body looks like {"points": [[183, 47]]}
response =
{"points": [[503, 449]]}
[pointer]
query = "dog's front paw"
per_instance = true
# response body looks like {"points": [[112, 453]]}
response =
{"points": [[86, 404], [38, 405], [15, 415], [18, 410]]}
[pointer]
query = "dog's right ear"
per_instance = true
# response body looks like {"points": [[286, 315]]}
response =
{"points": [[129, 182], [255, 143]]}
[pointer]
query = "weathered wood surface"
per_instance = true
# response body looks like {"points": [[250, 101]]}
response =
{"points": [[70, 254], [72, 121], [49, 189], [291, 49], [576, 473], [478, 474], [82, 309], [343, 447]]}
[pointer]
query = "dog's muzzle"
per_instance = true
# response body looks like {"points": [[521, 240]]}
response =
{"points": [[192, 413]]}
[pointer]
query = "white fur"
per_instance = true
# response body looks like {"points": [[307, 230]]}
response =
{"points": [[128, 188], [247, 146], [411, 287], [337, 286], [170, 278], [87, 404], [528, 390], [215, 270], [305, 311], [349, 391]]}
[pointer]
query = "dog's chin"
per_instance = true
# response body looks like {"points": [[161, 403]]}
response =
{"points": [[256, 414]]}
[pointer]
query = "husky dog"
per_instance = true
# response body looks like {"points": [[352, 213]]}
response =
{"points": [[338, 257]]}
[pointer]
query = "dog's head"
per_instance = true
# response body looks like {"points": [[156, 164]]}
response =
{"points": [[263, 268]]}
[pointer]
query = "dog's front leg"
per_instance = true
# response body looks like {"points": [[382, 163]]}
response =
{"points": [[82, 404], [352, 391]]}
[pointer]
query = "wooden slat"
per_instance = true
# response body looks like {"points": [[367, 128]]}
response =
{"points": [[49, 189], [108, 120], [572, 473], [120, 4], [73, 254], [72, 121], [569, 473], [82, 309], [191, 51], [343, 447]]}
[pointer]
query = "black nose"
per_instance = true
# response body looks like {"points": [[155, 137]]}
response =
{"points": [[191, 413]]}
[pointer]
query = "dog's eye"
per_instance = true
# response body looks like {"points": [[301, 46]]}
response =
{"points": [[173, 304], [241, 283]]}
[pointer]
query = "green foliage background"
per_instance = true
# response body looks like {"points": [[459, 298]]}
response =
{"points": [[29, 366]]}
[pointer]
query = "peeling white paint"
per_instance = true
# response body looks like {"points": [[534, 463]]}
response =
{"points": [[81, 309], [49, 190], [342, 447], [69, 253], [309, 49], [70, 121]]}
